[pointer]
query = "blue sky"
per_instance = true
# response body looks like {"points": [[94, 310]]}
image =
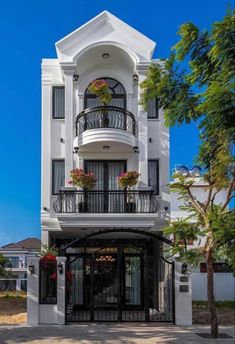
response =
{"points": [[29, 30]]}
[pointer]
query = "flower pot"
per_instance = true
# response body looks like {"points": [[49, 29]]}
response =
{"points": [[83, 207], [130, 207]]}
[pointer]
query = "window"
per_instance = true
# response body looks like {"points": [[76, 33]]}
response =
{"points": [[12, 262], [218, 267], [58, 106], [58, 175], [152, 108], [153, 175], [48, 283]]}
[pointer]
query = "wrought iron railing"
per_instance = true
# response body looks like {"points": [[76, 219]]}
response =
{"points": [[112, 201], [105, 117]]}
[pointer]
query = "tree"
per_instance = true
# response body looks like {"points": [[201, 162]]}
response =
{"points": [[196, 85], [3, 261]]}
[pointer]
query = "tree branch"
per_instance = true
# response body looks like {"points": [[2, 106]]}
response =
{"points": [[229, 193]]}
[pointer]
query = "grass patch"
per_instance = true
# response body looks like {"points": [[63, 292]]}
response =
{"points": [[219, 304], [13, 295]]}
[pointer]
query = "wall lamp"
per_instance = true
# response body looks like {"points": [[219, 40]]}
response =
{"points": [[75, 77], [184, 268], [60, 268], [136, 149], [31, 268], [135, 77], [75, 150]]}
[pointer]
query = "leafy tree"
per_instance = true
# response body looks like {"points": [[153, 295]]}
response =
{"points": [[3, 261], [196, 85]]}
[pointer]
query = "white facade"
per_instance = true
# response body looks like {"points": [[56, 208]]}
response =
{"points": [[80, 53], [106, 231]]}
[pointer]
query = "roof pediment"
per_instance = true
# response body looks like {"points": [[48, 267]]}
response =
{"points": [[104, 29]]}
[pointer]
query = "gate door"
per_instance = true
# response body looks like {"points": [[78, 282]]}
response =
{"points": [[106, 287]]}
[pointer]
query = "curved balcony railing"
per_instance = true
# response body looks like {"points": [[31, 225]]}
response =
{"points": [[105, 117], [112, 201]]}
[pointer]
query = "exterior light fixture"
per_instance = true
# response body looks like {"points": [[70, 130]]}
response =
{"points": [[106, 147], [184, 268], [60, 268], [75, 77], [136, 149], [31, 268], [135, 77], [106, 55], [75, 150]]}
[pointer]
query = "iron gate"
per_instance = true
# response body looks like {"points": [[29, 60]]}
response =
{"points": [[118, 286]]}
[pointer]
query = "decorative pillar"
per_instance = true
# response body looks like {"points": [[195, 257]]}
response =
{"points": [[143, 139], [61, 292], [183, 297], [33, 291], [69, 101]]}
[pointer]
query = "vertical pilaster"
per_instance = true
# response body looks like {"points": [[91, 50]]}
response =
{"points": [[183, 297], [69, 101], [143, 138], [33, 291], [61, 292]]}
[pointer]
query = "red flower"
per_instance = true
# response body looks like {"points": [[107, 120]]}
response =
{"points": [[53, 276]]}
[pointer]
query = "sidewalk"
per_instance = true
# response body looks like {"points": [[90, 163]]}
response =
{"points": [[109, 333]]}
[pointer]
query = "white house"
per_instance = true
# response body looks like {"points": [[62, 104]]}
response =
{"points": [[16, 254], [110, 240], [224, 281]]}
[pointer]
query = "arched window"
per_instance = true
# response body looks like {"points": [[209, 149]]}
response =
{"points": [[116, 89]]}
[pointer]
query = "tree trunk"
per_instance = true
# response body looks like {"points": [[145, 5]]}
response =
{"points": [[210, 294]]}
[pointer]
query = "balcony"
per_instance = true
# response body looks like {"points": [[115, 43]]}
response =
{"points": [[115, 201], [105, 124]]}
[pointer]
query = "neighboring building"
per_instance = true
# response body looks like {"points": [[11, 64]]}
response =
{"points": [[111, 240], [224, 281], [16, 254]]}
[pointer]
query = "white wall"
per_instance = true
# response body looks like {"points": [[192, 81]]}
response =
{"points": [[224, 286]]}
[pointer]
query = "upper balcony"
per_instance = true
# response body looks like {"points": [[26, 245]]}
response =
{"points": [[105, 124]]}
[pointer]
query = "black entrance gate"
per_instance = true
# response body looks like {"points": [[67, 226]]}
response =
{"points": [[119, 284]]}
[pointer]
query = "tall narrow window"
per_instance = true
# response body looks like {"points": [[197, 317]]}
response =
{"points": [[58, 108], [153, 175], [58, 175], [152, 108]]}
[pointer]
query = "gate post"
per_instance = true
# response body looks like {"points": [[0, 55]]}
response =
{"points": [[33, 290], [183, 296], [61, 291]]}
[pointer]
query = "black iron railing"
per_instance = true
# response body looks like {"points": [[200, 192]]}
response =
{"points": [[105, 117], [106, 202]]}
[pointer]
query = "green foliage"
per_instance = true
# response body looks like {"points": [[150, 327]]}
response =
{"points": [[219, 304], [3, 271], [46, 250]]}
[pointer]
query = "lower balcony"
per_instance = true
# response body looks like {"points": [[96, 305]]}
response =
{"points": [[115, 201]]}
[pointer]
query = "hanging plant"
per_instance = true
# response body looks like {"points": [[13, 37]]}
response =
{"points": [[100, 88], [48, 256], [83, 180]]}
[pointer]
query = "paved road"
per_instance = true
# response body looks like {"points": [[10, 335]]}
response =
{"points": [[108, 334]]}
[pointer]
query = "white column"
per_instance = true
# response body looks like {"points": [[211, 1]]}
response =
{"points": [[69, 101], [183, 297], [143, 139], [61, 292], [33, 291]]}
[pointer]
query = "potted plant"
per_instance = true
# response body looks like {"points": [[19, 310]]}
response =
{"points": [[126, 181], [86, 181], [100, 88]]}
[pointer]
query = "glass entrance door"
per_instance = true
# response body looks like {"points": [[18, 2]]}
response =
{"points": [[104, 197]]}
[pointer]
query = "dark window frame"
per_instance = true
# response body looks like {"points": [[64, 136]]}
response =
{"points": [[105, 164], [53, 102], [156, 111], [157, 174], [53, 174], [88, 95]]}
